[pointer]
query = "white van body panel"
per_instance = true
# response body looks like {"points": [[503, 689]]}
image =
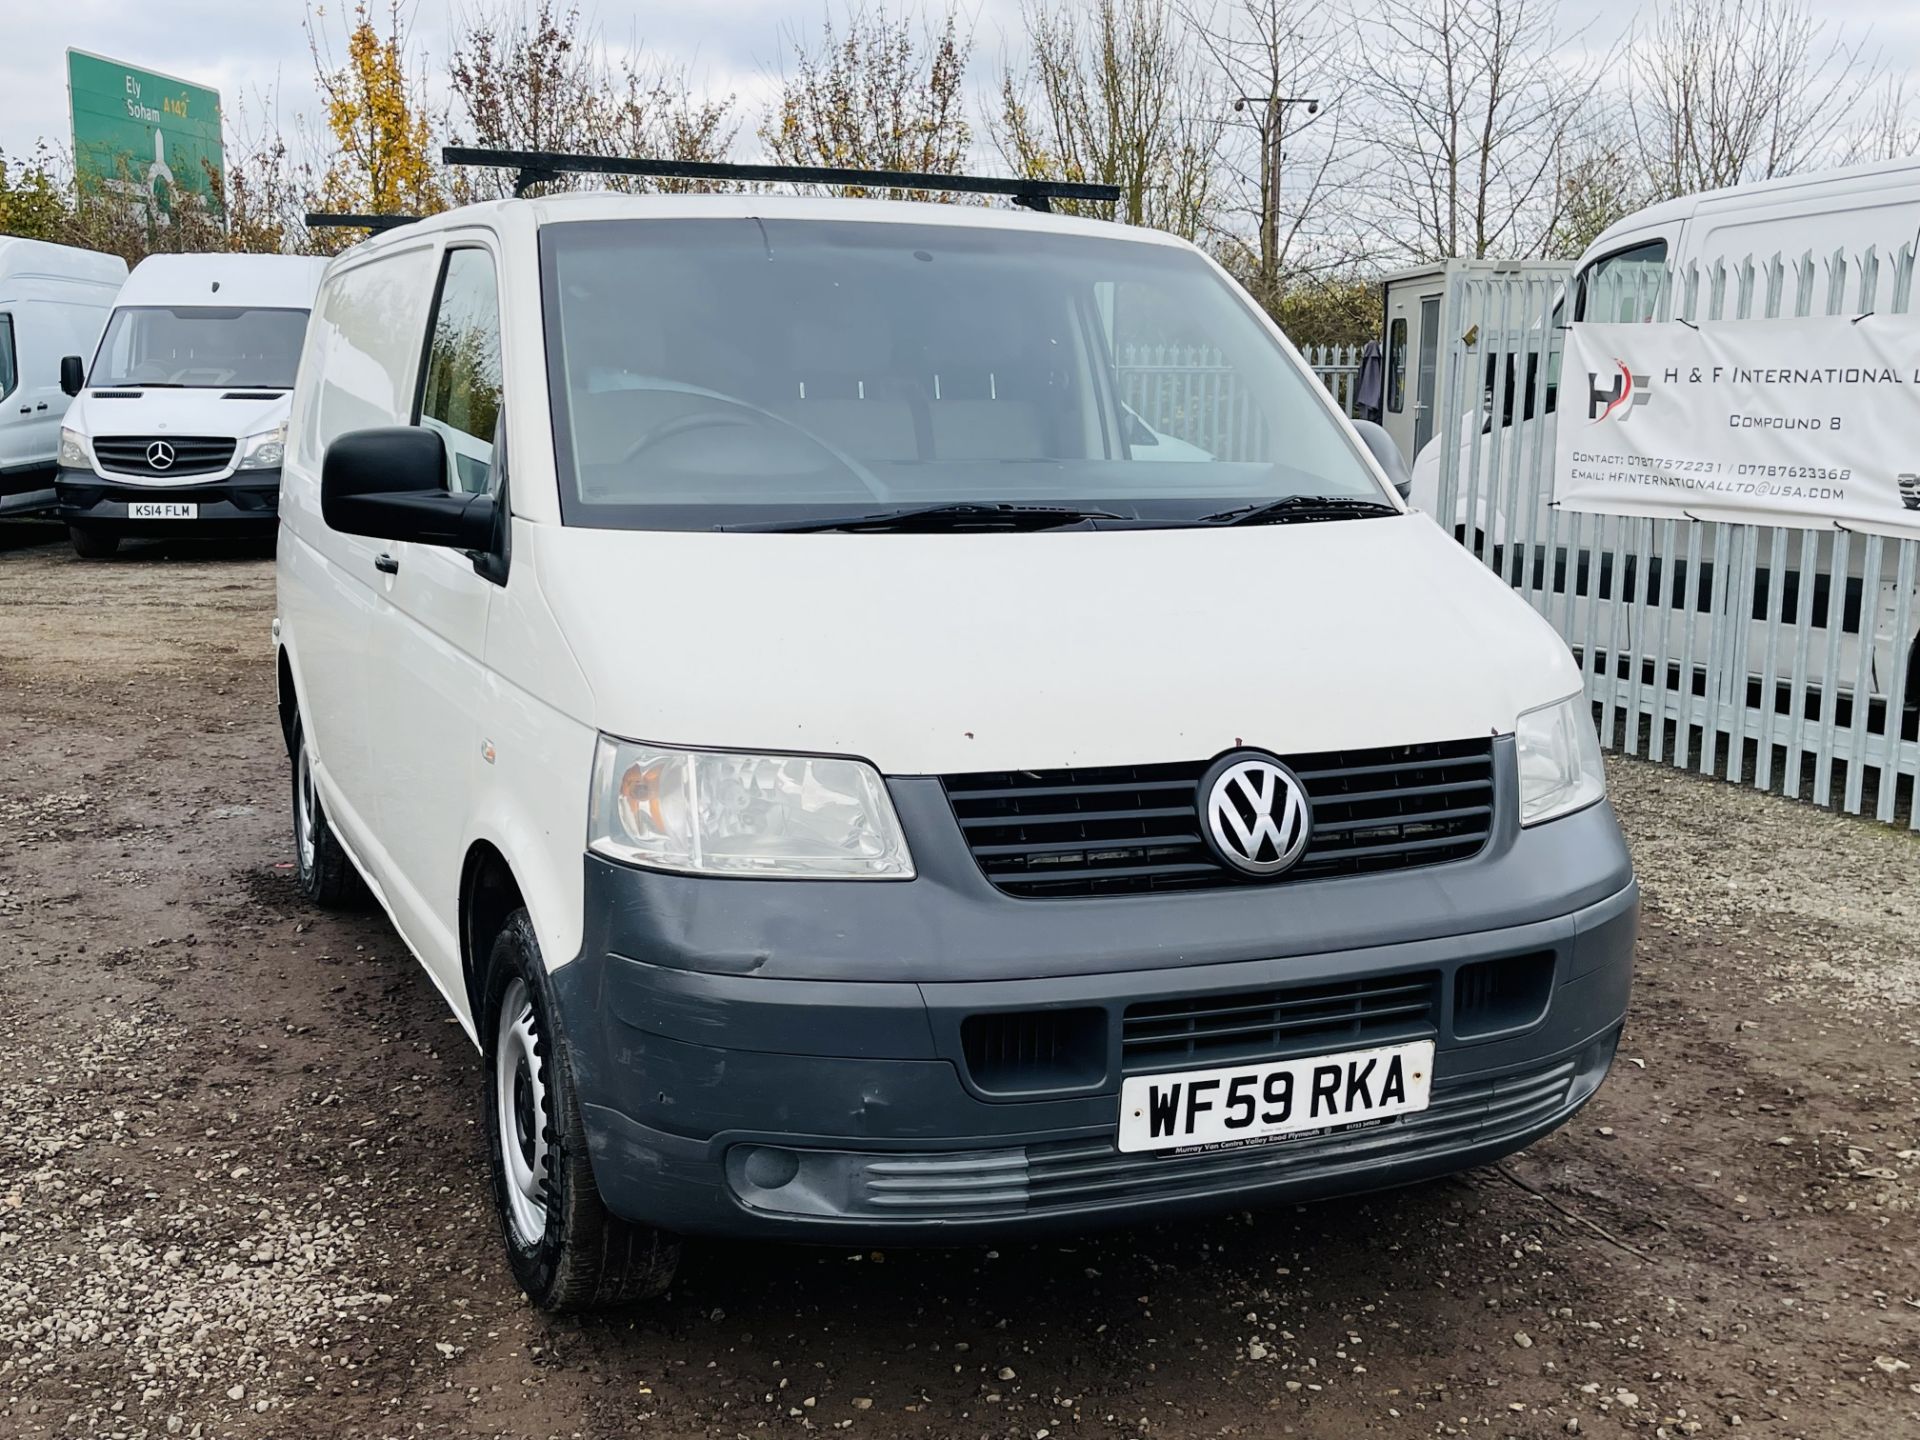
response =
{"points": [[241, 281], [1848, 209], [173, 412], [54, 302], [926, 687], [492, 710]]}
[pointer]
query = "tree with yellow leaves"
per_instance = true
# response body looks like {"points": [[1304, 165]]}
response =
{"points": [[376, 114]]}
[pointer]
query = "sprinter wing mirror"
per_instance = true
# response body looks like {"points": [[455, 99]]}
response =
{"points": [[1387, 455], [391, 484], [73, 374]]}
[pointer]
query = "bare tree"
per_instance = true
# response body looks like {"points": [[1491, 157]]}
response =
{"points": [[1723, 91], [539, 79], [1888, 129], [1479, 102], [875, 95], [1112, 93], [1286, 75], [1601, 180]]}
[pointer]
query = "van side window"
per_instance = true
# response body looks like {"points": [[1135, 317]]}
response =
{"points": [[1397, 365], [461, 396], [1621, 287], [9, 367]]}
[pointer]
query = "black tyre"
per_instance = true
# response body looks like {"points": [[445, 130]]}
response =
{"points": [[327, 876], [91, 544], [567, 1250]]}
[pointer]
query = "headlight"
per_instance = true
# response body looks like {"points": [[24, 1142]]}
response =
{"points": [[1560, 765], [715, 813], [73, 450], [266, 450]]}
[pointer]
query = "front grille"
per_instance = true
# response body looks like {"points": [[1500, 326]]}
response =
{"points": [[1196, 1031], [1125, 829], [192, 454]]}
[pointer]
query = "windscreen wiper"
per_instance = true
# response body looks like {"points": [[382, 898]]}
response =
{"points": [[932, 519], [1297, 508]]}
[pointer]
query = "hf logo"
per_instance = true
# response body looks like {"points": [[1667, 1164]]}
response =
{"points": [[1624, 393]]}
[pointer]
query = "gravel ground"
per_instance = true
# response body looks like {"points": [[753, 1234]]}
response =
{"points": [[244, 1196]]}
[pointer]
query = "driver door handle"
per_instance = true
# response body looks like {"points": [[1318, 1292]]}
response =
{"points": [[386, 564]]}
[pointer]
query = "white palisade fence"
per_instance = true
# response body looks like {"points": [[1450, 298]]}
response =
{"points": [[1781, 657]]}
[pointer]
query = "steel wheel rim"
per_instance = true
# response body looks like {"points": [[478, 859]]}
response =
{"points": [[304, 809], [520, 1109]]}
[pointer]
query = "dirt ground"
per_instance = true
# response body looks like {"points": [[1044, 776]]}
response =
{"points": [[242, 1194]]}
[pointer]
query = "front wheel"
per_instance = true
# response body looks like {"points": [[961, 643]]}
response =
{"points": [[567, 1250], [327, 876]]}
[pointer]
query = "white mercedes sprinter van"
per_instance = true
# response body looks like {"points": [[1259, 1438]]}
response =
{"points": [[851, 793], [179, 423], [54, 300]]}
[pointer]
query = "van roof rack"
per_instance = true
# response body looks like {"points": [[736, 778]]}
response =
{"points": [[536, 166], [323, 220]]}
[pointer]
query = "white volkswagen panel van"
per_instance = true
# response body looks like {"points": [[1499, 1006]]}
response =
{"points": [[851, 793], [54, 300], [179, 422]]}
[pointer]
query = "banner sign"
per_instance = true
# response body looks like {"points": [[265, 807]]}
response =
{"points": [[140, 133], [1812, 423]]}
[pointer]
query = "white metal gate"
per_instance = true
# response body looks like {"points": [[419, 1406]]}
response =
{"points": [[1197, 386], [1782, 657]]}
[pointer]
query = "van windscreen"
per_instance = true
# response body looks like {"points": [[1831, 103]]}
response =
{"points": [[200, 346], [745, 372]]}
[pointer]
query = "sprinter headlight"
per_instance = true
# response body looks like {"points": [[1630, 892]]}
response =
{"points": [[73, 450], [266, 450], [717, 813], [1560, 766]]}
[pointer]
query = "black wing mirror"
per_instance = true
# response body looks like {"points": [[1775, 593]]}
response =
{"points": [[1387, 455], [73, 374], [391, 483]]}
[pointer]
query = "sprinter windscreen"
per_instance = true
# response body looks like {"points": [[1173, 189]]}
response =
{"points": [[200, 346]]}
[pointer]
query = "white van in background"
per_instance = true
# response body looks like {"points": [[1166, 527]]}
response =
{"points": [[54, 300], [1851, 211], [181, 421]]}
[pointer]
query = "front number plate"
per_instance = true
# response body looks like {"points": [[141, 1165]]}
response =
{"points": [[162, 510], [1196, 1110]]}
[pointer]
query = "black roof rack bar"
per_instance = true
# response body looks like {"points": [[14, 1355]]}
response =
{"points": [[535, 166], [322, 220]]}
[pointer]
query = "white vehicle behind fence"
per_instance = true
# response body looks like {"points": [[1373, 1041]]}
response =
{"points": [[54, 300], [180, 423], [1839, 242]]}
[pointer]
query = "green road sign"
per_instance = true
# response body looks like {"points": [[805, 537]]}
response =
{"points": [[139, 133]]}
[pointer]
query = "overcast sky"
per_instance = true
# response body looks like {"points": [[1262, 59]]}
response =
{"points": [[250, 49]]}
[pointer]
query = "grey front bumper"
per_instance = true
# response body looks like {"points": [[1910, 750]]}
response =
{"points": [[248, 501], [791, 1059]]}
